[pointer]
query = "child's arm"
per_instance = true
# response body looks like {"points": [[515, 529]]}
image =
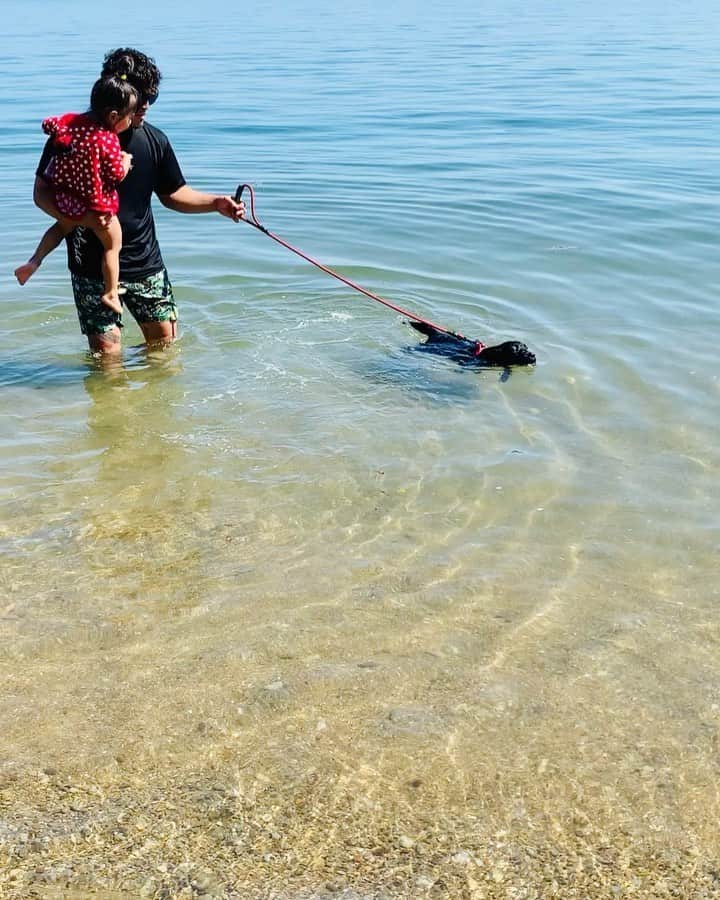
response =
{"points": [[114, 168], [127, 162]]}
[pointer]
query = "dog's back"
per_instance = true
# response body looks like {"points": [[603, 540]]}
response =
{"points": [[468, 352]]}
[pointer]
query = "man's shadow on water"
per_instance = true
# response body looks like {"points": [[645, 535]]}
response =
{"points": [[151, 529], [132, 409]]}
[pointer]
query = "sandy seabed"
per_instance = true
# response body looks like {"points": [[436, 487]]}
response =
{"points": [[395, 742], [314, 786], [327, 834]]}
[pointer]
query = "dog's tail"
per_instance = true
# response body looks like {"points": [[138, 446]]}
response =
{"points": [[424, 328], [436, 335]]}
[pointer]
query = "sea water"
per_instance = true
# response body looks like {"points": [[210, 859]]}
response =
{"points": [[293, 607]]}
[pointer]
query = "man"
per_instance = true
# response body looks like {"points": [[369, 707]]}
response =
{"points": [[144, 283]]}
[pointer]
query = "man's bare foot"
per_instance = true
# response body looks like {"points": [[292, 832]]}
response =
{"points": [[25, 271], [112, 301]]}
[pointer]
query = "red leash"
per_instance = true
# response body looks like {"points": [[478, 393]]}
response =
{"points": [[256, 224]]}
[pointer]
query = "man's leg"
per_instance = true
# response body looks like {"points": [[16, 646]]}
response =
{"points": [[159, 332], [108, 343], [152, 305], [101, 325]]}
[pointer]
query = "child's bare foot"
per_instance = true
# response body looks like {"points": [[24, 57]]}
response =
{"points": [[25, 271], [112, 301]]}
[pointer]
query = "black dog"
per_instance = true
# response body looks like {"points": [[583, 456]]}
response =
{"points": [[475, 353]]}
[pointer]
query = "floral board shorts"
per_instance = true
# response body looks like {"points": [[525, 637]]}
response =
{"points": [[148, 300]]}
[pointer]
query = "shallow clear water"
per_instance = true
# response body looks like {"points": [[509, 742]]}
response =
{"points": [[387, 605]]}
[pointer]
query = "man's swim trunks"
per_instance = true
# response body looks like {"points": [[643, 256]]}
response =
{"points": [[148, 300]]}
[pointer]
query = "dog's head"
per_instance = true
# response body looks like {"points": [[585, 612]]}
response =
{"points": [[510, 353]]}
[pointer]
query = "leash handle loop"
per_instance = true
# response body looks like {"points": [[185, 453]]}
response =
{"points": [[238, 197]]}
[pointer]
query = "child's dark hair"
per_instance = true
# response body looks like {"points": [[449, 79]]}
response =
{"points": [[139, 69], [110, 94]]}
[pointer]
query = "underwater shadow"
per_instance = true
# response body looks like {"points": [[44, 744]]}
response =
{"points": [[40, 374], [422, 376], [59, 372]]}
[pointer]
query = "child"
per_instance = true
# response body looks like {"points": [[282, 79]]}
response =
{"points": [[85, 169]]}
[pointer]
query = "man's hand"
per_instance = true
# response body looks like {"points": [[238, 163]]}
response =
{"points": [[226, 206]]}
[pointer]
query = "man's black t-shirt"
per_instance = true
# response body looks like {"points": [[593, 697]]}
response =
{"points": [[155, 170]]}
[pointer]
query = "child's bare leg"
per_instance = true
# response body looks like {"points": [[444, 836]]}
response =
{"points": [[49, 241], [111, 239]]}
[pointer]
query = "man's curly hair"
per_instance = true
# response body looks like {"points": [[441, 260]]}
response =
{"points": [[140, 70]]}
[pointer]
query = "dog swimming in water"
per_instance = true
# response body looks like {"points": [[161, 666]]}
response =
{"points": [[474, 353]]}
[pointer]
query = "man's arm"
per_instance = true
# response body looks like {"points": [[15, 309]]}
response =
{"points": [[187, 200], [44, 199]]}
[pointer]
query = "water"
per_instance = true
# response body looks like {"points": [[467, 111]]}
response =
{"points": [[292, 608]]}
